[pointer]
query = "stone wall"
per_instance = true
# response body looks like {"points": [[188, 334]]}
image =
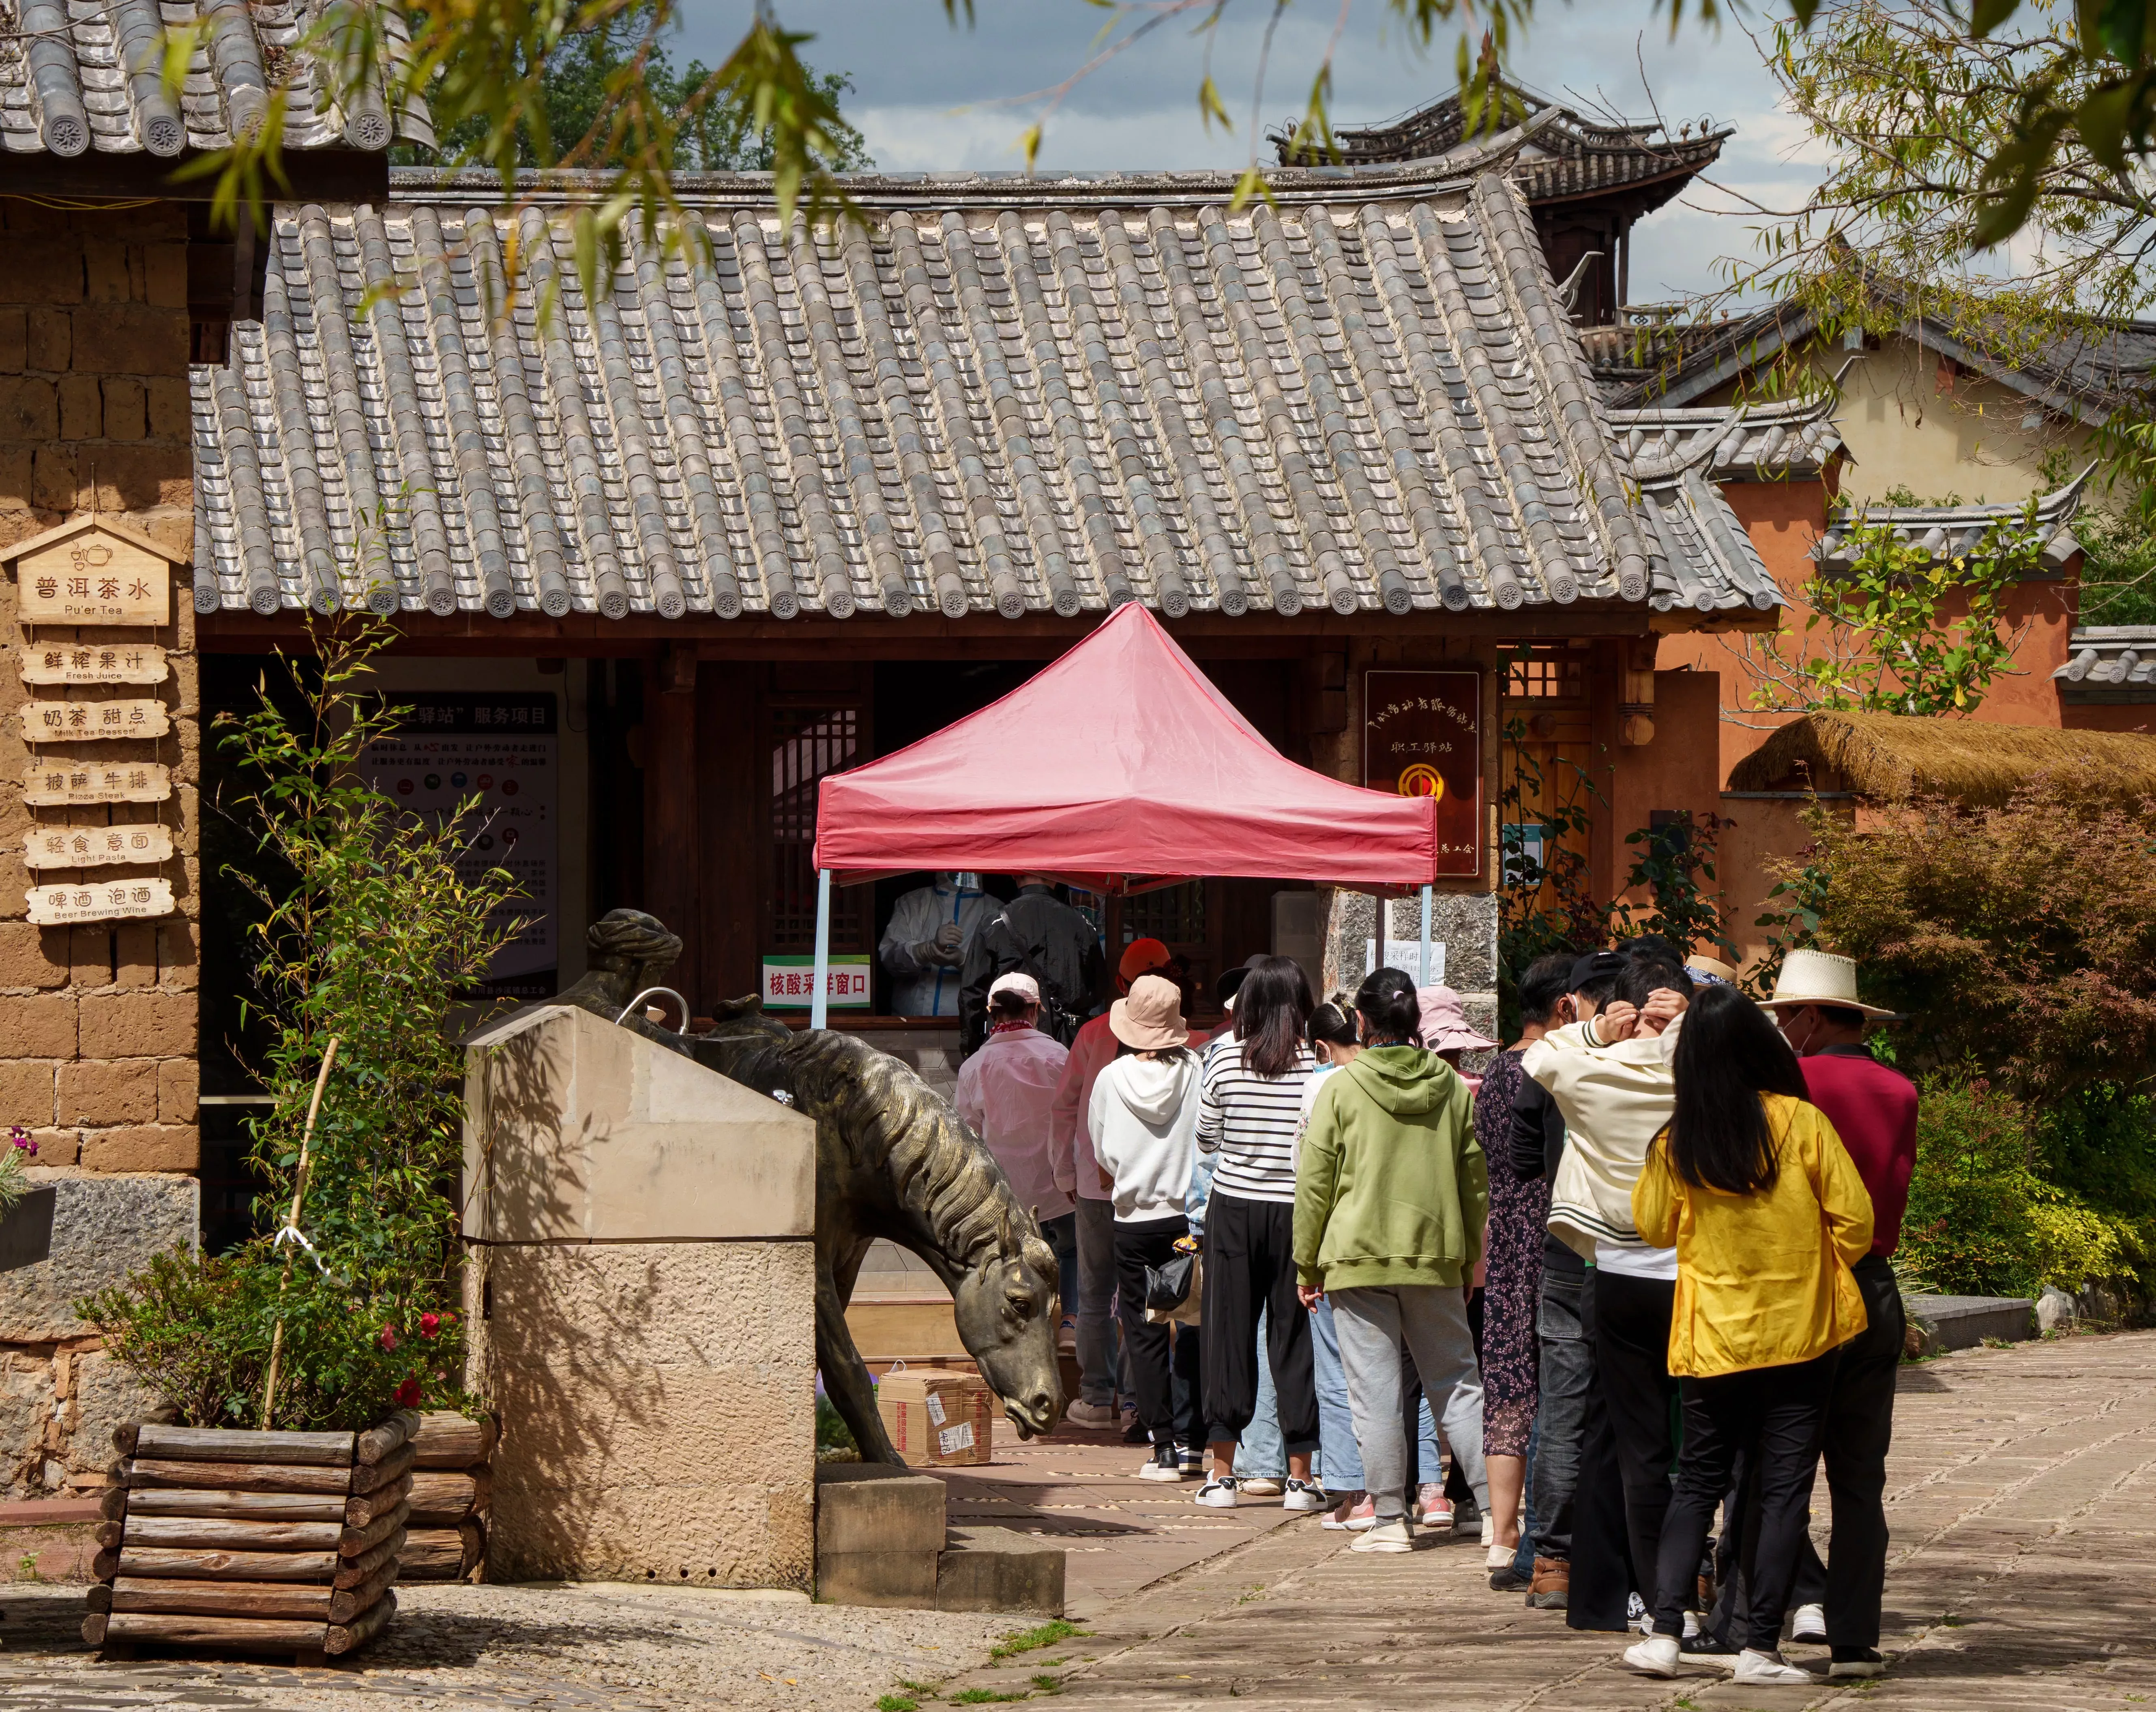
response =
{"points": [[98, 1026]]}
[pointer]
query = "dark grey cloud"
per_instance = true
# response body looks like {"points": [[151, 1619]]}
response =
{"points": [[930, 97]]}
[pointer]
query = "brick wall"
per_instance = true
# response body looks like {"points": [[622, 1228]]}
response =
{"points": [[98, 1026]]}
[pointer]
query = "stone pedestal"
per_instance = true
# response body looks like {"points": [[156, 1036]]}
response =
{"points": [[643, 1278], [1464, 923]]}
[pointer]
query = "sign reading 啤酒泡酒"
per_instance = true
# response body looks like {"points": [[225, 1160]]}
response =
{"points": [[107, 899], [71, 784], [87, 572], [43, 663], [1422, 736], [83, 722], [790, 982], [97, 846]]}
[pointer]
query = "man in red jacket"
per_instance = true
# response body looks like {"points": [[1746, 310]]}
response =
{"points": [[1873, 1108]]}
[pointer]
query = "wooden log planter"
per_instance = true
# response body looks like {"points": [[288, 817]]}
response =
{"points": [[451, 1494], [258, 1542]]}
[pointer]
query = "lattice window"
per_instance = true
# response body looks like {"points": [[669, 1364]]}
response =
{"points": [[1174, 915], [1546, 674], [806, 743]]}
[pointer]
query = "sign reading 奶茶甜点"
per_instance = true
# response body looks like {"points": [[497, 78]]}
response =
{"points": [[1422, 736], [84, 721], [43, 663]]}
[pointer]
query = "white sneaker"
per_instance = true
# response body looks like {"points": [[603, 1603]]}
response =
{"points": [[1259, 1485], [1768, 1667], [1867, 1663], [1489, 1528], [1302, 1496], [1498, 1557], [1395, 1535], [1160, 1467], [1217, 1493], [1809, 1626], [1085, 1414], [1656, 1656]]}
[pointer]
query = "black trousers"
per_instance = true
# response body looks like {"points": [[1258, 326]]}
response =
{"points": [[1250, 1263], [1859, 1427], [1164, 1359], [1774, 1415], [1632, 1371]]}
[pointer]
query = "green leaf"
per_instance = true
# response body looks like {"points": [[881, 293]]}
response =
{"points": [[1985, 16]]}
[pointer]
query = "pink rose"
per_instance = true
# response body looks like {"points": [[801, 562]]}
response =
{"points": [[388, 1338]]}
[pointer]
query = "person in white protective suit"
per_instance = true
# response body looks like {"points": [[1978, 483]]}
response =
{"points": [[924, 949]]}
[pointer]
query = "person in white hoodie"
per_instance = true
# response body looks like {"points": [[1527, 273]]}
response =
{"points": [[1143, 1122]]}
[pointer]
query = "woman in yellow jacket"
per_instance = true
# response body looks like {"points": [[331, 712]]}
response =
{"points": [[1768, 1213]]}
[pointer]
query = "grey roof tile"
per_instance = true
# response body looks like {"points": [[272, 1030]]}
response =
{"points": [[1047, 404], [82, 74], [1946, 530], [2109, 663]]}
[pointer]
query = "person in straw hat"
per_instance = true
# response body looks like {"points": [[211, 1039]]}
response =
{"points": [[1143, 1117], [1873, 1108]]}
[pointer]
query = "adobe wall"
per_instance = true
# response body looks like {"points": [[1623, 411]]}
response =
{"points": [[98, 1024]]}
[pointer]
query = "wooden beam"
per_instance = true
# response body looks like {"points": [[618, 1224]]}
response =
{"points": [[728, 814], [672, 858]]}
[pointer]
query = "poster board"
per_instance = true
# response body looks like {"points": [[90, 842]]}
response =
{"points": [[1422, 736], [501, 748]]}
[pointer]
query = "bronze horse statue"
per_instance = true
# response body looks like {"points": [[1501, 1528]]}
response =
{"points": [[892, 1160]]}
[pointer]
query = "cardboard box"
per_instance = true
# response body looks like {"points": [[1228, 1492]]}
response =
{"points": [[937, 1417]]}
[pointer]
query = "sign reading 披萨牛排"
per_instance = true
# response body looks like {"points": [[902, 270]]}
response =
{"points": [[1422, 736], [70, 784]]}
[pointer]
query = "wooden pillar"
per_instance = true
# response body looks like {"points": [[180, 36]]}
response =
{"points": [[1607, 855], [729, 817], [672, 857]]}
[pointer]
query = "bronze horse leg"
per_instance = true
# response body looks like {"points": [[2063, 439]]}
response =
{"points": [[845, 1378]]}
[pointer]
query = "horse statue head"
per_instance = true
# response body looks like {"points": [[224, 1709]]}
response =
{"points": [[1007, 1306]]}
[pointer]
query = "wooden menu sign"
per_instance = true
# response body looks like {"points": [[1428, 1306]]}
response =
{"points": [[74, 784], [90, 572], [99, 900], [79, 721], [92, 663], [97, 846]]}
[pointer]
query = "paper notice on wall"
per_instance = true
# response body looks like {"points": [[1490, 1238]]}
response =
{"points": [[1406, 955], [954, 1439], [936, 1408], [499, 751]]}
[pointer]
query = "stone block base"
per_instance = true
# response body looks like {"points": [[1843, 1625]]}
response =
{"points": [[899, 1580], [992, 1569], [1964, 1321], [870, 1506]]}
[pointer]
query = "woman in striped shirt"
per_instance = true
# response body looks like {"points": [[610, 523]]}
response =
{"points": [[1249, 1106]]}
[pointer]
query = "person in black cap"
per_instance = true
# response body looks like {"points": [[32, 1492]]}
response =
{"points": [[1566, 1406]]}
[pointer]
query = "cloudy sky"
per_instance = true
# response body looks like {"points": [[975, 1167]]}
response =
{"points": [[929, 97]]}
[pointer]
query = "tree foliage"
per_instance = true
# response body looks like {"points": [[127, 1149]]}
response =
{"points": [[1898, 629], [2020, 941], [376, 941]]}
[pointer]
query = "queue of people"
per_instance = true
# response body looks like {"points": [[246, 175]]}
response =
{"points": [[1629, 1285]]}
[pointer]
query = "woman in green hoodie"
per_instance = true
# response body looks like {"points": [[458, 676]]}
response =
{"points": [[1391, 1191]]}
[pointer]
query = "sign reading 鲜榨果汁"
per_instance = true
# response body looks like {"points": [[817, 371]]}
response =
{"points": [[89, 571], [43, 663], [1422, 736], [117, 899], [71, 784], [84, 722], [96, 847], [790, 982]]}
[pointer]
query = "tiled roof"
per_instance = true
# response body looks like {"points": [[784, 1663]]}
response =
{"points": [[1945, 531], [1765, 442], [78, 74], [1671, 362], [1359, 404], [2109, 663], [1561, 155]]}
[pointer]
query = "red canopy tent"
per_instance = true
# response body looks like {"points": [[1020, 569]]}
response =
{"points": [[1119, 767]]}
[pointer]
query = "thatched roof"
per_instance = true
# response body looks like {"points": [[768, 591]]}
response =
{"points": [[1881, 755]]}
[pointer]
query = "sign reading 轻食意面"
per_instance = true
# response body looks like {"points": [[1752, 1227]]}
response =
{"points": [[790, 982], [498, 749], [1422, 736]]}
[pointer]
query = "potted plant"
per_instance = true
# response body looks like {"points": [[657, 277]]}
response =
{"points": [[266, 1513]]}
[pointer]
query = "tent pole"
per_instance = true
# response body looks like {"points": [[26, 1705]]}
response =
{"points": [[1426, 980], [1380, 897], [819, 1001]]}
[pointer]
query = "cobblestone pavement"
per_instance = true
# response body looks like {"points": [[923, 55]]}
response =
{"points": [[2022, 1495]]}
